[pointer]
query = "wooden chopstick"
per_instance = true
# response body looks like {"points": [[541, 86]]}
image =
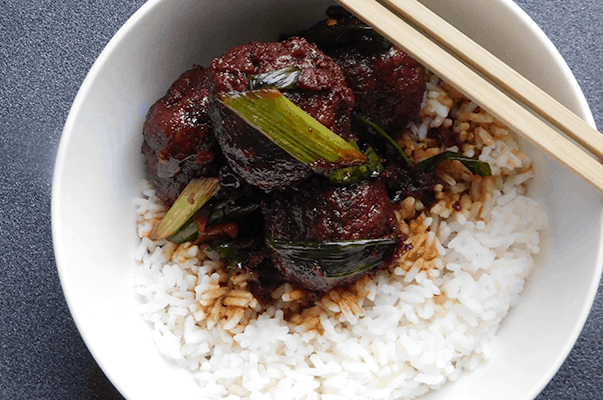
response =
{"points": [[499, 73], [480, 90]]}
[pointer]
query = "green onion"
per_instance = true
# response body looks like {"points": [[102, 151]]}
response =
{"points": [[292, 129], [187, 233], [346, 34], [336, 259], [281, 79], [349, 175], [369, 124], [473, 165], [190, 200], [231, 255], [228, 209]]}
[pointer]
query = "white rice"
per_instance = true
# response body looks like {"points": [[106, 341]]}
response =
{"points": [[418, 327]]}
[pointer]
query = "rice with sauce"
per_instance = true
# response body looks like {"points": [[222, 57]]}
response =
{"points": [[418, 324]]}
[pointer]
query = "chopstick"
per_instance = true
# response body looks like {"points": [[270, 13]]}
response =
{"points": [[481, 91], [500, 73]]}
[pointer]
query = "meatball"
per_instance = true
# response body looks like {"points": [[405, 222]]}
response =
{"points": [[328, 214], [321, 92], [178, 143], [388, 84]]}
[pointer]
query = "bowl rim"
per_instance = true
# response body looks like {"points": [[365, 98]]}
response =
{"points": [[130, 24], [588, 117], [59, 169]]}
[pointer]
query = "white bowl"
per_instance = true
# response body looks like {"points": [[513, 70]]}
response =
{"points": [[99, 167]]}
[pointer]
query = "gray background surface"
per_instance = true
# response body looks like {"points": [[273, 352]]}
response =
{"points": [[46, 50]]}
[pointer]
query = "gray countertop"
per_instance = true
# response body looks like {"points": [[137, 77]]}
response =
{"points": [[46, 50]]}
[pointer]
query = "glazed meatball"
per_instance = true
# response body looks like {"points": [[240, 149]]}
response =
{"points": [[388, 84], [178, 142], [328, 214], [321, 92]]}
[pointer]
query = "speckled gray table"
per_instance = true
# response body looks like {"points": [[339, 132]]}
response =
{"points": [[46, 50]]}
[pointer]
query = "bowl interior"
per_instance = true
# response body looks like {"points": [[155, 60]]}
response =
{"points": [[99, 169]]}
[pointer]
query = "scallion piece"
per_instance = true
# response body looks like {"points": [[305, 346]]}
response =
{"points": [[187, 233], [475, 166], [369, 124], [330, 35], [229, 209], [292, 129], [349, 175], [190, 200], [282, 79], [229, 253], [336, 259]]}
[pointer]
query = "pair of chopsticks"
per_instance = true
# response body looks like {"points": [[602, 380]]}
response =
{"points": [[428, 47]]}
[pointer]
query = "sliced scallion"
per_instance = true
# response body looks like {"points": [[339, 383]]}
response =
{"points": [[292, 129], [187, 233], [190, 200], [369, 124], [282, 79], [233, 256], [349, 175], [335, 34], [228, 209], [475, 166], [336, 259]]}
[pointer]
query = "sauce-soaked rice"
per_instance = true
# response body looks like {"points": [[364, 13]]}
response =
{"points": [[345, 342]]}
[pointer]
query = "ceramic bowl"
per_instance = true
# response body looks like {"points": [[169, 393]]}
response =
{"points": [[99, 167]]}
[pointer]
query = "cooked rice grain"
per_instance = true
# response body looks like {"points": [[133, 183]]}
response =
{"points": [[417, 325]]}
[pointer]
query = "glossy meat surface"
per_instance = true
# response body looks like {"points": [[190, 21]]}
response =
{"points": [[321, 92], [326, 214], [178, 143], [388, 84]]}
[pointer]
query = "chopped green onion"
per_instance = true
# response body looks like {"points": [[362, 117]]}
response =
{"points": [[190, 200], [233, 257], [346, 34], [475, 166], [187, 233], [336, 259], [292, 129], [349, 175], [229, 209], [281, 79], [369, 124]]}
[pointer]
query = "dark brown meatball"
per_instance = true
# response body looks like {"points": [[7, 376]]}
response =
{"points": [[178, 141], [321, 92], [388, 84], [328, 214]]}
